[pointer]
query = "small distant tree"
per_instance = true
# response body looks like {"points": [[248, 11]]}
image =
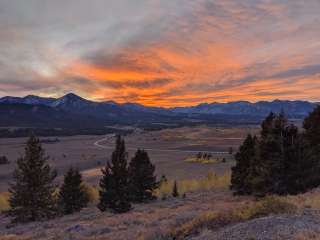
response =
{"points": [[72, 195], [4, 160], [32, 192], [163, 180], [142, 180], [175, 192], [114, 183], [230, 150]]}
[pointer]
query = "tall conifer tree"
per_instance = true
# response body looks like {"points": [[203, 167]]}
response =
{"points": [[286, 161], [114, 194], [32, 190], [72, 196], [142, 181], [311, 125], [175, 191], [240, 181]]}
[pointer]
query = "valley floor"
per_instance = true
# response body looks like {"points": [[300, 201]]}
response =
{"points": [[167, 148]]}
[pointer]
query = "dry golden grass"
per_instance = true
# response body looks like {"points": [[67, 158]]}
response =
{"points": [[4, 201], [92, 192], [211, 181], [307, 200], [213, 221]]}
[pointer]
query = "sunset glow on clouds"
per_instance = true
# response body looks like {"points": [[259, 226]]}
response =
{"points": [[161, 53]]}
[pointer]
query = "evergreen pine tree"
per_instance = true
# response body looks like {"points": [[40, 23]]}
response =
{"points": [[142, 181], [294, 161], [285, 161], [311, 166], [4, 160], [240, 181], [32, 190], [268, 175], [311, 125], [72, 196], [114, 183], [175, 192]]}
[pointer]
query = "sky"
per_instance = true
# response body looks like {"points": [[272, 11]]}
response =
{"points": [[161, 52]]}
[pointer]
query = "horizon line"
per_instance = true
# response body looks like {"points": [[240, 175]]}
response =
{"points": [[152, 106]]}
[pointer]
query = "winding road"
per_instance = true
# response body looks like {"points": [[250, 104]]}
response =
{"points": [[110, 136]]}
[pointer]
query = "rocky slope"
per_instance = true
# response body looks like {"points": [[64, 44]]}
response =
{"points": [[302, 226]]}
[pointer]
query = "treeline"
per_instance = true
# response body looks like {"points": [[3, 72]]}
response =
{"points": [[282, 160], [34, 196], [46, 132]]}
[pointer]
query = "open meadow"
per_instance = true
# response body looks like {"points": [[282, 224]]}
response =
{"points": [[169, 150]]}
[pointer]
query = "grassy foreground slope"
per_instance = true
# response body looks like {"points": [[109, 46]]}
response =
{"points": [[212, 213]]}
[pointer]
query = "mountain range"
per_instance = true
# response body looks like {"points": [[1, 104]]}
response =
{"points": [[74, 111]]}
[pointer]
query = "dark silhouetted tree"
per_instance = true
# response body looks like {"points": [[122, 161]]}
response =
{"points": [[285, 161], [142, 181], [311, 161], [271, 150], [4, 160], [175, 192], [114, 183], [294, 158], [240, 181], [72, 196], [311, 125], [230, 150], [32, 190]]}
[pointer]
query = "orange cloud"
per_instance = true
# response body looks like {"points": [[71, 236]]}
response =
{"points": [[137, 77], [174, 55]]}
